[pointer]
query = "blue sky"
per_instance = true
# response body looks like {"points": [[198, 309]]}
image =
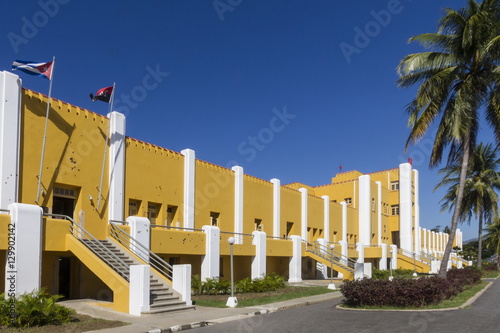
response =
{"points": [[286, 89]]}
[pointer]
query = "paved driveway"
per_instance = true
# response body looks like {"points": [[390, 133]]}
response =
{"points": [[483, 316]]}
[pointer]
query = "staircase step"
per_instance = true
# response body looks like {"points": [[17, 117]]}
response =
{"points": [[156, 305], [163, 298], [170, 309]]}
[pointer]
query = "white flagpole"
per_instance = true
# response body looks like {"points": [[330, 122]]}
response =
{"points": [[45, 131], [105, 148]]}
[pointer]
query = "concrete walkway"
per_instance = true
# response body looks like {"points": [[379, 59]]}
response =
{"points": [[201, 316]]}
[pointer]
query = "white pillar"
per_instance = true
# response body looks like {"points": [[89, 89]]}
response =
{"points": [[139, 293], [364, 210], [10, 106], [238, 204], [344, 221], [405, 207], [295, 265], [211, 259], [379, 213], [424, 237], [303, 213], [394, 256], [345, 255], [459, 238], [418, 242], [24, 254], [189, 187], [326, 217], [140, 231], [322, 269], [276, 207], [181, 282], [116, 166], [383, 260], [259, 260], [361, 253]]}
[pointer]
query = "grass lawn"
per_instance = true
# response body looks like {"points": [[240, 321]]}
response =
{"points": [[454, 302], [491, 274], [79, 323], [251, 299]]}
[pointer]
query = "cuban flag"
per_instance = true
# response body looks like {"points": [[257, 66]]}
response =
{"points": [[103, 94], [43, 69]]}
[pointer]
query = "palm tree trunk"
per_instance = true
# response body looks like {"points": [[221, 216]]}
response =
{"points": [[458, 207], [480, 242]]}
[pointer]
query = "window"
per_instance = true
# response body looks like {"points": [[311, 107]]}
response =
{"points": [[171, 216], [348, 201], [133, 207], [386, 208], [214, 219], [153, 210], [64, 200], [394, 210], [395, 185], [373, 204], [258, 225], [289, 229]]}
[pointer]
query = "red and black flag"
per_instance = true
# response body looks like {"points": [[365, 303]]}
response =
{"points": [[103, 94]]}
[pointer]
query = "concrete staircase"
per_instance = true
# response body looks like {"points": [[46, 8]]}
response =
{"points": [[162, 297]]}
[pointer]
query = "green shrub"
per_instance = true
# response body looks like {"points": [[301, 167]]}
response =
{"points": [[269, 282], [36, 308], [489, 266], [384, 274]]}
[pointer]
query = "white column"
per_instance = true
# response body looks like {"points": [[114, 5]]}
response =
{"points": [[303, 213], [139, 293], [24, 254], [361, 253], [181, 282], [379, 213], [238, 204], [383, 260], [345, 255], [276, 207], [140, 231], [459, 238], [295, 265], [394, 256], [322, 269], [189, 187], [259, 260], [326, 217], [116, 166], [418, 242], [364, 210], [424, 237], [344, 221], [10, 106], [211, 260], [405, 207]]}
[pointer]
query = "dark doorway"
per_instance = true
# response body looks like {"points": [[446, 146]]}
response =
{"points": [[63, 206], [64, 276]]}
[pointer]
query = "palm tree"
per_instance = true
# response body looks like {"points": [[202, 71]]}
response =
{"points": [[492, 237], [480, 199], [458, 78]]}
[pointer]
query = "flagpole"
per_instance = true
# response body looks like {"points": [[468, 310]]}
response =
{"points": [[105, 147], [45, 131]]}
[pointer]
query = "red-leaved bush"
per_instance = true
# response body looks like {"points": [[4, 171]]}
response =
{"points": [[408, 292]]}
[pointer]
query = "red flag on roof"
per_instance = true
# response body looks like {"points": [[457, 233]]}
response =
{"points": [[103, 94]]}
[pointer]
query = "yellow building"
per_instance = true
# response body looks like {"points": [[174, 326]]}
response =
{"points": [[96, 214]]}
